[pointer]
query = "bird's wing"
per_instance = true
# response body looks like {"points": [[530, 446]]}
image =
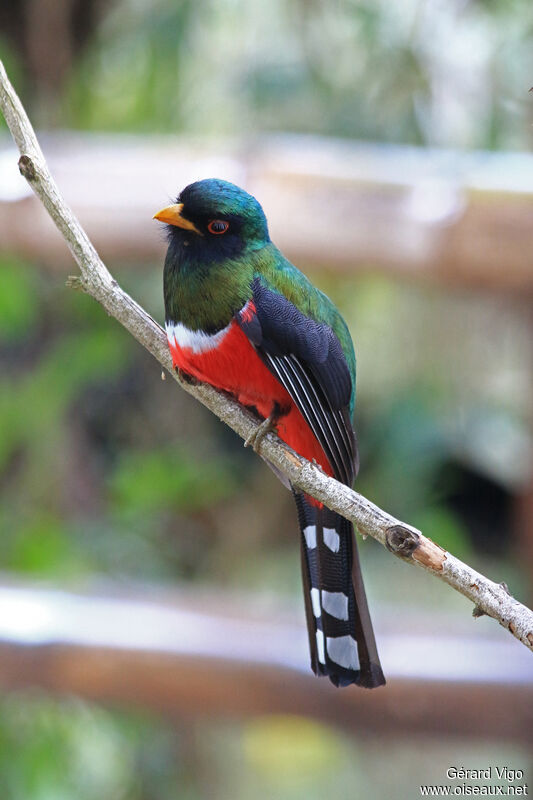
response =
{"points": [[307, 359]]}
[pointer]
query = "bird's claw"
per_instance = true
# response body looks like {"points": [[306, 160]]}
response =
{"points": [[186, 377], [256, 436]]}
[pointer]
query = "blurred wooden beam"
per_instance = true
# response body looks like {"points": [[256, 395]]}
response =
{"points": [[463, 219], [205, 657]]}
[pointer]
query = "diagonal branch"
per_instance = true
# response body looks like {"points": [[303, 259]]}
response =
{"points": [[403, 540]]}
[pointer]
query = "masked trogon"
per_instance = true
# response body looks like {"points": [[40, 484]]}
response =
{"points": [[242, 318]]}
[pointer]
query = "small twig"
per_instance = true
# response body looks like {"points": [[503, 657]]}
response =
{"points": [[403, 540]]}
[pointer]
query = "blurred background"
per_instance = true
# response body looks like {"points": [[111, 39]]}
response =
{"points": [[388, 143]]}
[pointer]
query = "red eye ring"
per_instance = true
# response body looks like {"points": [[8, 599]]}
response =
{"points": [[218, 226]]}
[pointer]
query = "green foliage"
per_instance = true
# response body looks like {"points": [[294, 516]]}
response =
{"points": [[408, 446], [62, 750], [89, 477], [411, 72], [48, 363], [170, 478], [128, 81], [15, 71], [43, 546], [19, 301], [32, 405]]}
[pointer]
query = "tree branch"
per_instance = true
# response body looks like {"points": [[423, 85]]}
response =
{"points": [[403, 540]]}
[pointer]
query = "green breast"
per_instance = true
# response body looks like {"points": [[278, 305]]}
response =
{"points": [[205, 297]]}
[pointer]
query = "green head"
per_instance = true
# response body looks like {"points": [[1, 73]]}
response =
{"points": [[215, 230], [213, 220]]}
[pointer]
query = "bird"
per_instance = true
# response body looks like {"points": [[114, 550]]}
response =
{"points": [[242, 318]]}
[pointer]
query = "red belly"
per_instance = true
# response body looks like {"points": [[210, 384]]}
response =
{"points": [[235, 367]]}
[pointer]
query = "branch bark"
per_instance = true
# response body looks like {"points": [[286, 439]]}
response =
{"points": [[401, 539]]}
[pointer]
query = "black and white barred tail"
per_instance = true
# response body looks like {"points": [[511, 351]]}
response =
{"points": [[341, 638]]}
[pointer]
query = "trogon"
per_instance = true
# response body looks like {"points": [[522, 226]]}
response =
{"points": [[242, 318]]}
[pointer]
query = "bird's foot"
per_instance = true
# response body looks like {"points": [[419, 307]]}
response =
{"points": [[185, 377], [256, 436]]}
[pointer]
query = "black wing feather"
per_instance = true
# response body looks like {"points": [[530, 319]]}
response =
{"points": [[307, 358], [287, 370], [339, 423]]}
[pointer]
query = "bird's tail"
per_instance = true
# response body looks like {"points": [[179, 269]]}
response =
{"points": [[341, 638]]}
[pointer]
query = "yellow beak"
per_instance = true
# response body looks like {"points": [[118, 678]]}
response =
{"points": [[172, 215]]}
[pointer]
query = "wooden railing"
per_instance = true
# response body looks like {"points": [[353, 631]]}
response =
{"points": [[189, 654], [463, 219]]}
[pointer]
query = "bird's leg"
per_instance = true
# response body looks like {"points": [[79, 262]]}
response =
{"points": [[186, 377], [268, 425]]}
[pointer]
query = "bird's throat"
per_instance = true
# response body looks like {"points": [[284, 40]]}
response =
{"points": [[204, 296]]}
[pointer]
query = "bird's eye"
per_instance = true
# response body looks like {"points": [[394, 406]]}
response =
{"points": [[218, 226]]}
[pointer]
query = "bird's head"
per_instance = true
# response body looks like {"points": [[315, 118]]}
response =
{"points": [[216, 220]]}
